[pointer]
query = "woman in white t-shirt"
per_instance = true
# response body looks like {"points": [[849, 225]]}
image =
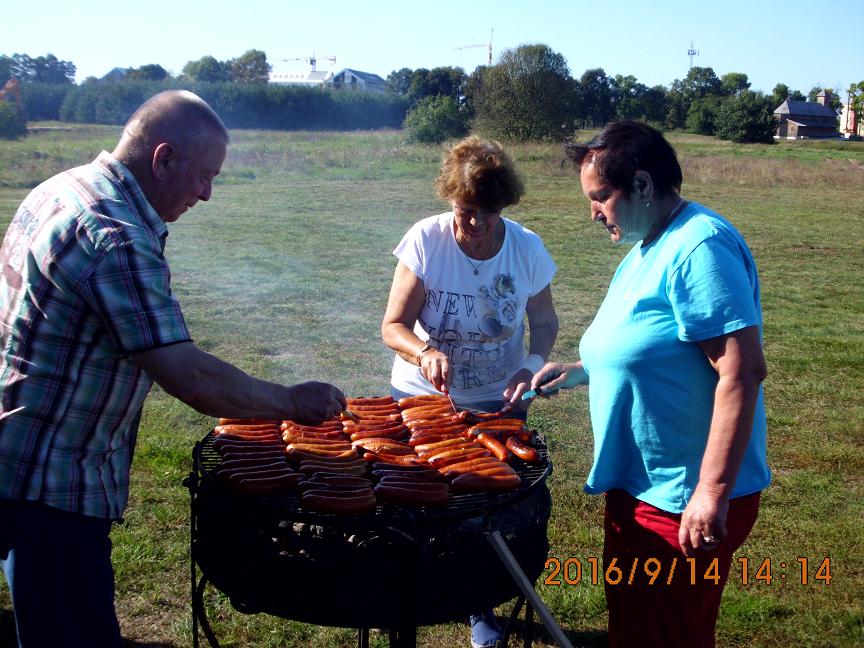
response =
{"points": [[463, 285]]}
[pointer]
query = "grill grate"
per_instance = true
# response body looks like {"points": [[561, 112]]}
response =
{"points": [[459, 506]]}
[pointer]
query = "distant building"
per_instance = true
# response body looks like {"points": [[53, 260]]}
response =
{"points": [[314, 78], [799, 119], [357, 80]]}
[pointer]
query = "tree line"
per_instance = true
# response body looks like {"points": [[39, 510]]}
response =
{"points": [[529, 94]]}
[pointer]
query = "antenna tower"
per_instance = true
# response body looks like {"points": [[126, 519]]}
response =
{"points": [[691, 53]]}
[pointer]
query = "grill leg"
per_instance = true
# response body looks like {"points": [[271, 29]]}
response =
{"points": [[529, 625], [200, 612], [363, 638], [403, 638], [534, 601], [511, 621]]}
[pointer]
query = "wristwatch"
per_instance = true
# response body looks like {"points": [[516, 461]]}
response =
{"points": [[423, 350]]}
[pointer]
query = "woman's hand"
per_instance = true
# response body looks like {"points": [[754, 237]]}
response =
{"points": [[519, 383], [703, 523], [435, 367], [559, 375]]}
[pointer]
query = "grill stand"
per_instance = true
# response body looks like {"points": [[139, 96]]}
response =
{"points": [[405, 637]]}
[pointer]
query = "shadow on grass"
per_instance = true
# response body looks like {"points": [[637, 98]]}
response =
{"points": [[579, 639], [8, 638]]}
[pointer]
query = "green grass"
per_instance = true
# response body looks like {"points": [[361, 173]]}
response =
{"points": [[286, 273]]}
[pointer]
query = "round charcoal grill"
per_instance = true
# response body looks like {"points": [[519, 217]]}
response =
{"points": [[396, 567]]}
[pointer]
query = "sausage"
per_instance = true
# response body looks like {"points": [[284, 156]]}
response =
{"points": [[291, 437], [434, 445], [226, 473], [375, 400], [313, 488], [471, 465], [221, 442], [399, 432], [268, 485], [341, 505], [524, 452], [495, 469], [402, 467], [428, 455], [421, 399], [249, 436], [311, 468], [248, 421], [235, 476], [339, 435], [454, 428], [494, 446], [320, 454], [456, 456], [386, 458], [471, 483], [373, 419], [424, 411], [390, 408], [502, 423], [311, 450], [268, 455], [412, 496], [389, 446], [442, 420], [384, 426], [336, 480], [423, 439], [326, 426], [248, 461]]}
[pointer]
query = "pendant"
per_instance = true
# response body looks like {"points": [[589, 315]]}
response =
{"points": [[476, 271]]}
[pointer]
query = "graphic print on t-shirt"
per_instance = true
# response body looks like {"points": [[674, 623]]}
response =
{"points": [[473, 330]]}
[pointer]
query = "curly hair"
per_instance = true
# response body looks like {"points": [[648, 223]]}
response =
{"points": [[477, 171], [624, 147]]}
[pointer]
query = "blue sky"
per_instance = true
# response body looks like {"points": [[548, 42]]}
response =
{"points": [[800, 43]]}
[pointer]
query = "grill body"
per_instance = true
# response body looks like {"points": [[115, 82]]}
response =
{"points": [[396, 567]]}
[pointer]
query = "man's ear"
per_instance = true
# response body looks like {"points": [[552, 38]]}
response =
{"points": [[643, 185], [163, 157]]}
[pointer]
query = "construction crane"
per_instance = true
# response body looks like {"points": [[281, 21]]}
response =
{"points": [[488, 45], [311, 60]]}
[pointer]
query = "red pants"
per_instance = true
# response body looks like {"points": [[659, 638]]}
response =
{"points": [[680, 607]]}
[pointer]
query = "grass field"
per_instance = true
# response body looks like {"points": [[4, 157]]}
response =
{"points": [[286, 272]]}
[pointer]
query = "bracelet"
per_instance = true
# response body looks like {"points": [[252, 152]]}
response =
{"points": [[533, 363], [423, 350]]}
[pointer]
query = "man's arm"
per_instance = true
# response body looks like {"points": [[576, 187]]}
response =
{"points": [[211, 386]]}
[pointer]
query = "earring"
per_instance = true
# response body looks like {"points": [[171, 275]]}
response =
{"points": [[647, 204]]}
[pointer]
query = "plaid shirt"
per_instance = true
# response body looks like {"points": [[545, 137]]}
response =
{"points": [[84, 284]]}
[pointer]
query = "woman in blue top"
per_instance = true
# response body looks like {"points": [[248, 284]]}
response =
{"points": [[675, 365]]}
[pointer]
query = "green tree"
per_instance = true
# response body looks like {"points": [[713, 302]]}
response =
{"points": [[528, 95], [746, 117], [734, 83], [856, 97], [700, 82], [781, 93], [702, 114], [835, 103], [250, 67], [149, 72], [399, 81], [597, 98], [42, 69], [206, 69], [434, 120]]}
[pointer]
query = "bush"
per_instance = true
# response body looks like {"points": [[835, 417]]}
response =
{"points": [[746, 117], [244, 105], [435, 119], [12, 123]]}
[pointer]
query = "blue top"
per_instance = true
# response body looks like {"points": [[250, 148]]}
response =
{"points": [[651, 389]]}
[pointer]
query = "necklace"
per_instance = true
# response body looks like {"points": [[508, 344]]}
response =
{"points": [[492, 250]]}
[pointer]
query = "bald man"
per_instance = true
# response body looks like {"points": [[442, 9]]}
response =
{"points": [[87, 323]]}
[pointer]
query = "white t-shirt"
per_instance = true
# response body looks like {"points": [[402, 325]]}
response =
{"points": [[477, 320]]}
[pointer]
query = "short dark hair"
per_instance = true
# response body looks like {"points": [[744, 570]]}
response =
{"points": [[624, 147], [479, 171]]}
